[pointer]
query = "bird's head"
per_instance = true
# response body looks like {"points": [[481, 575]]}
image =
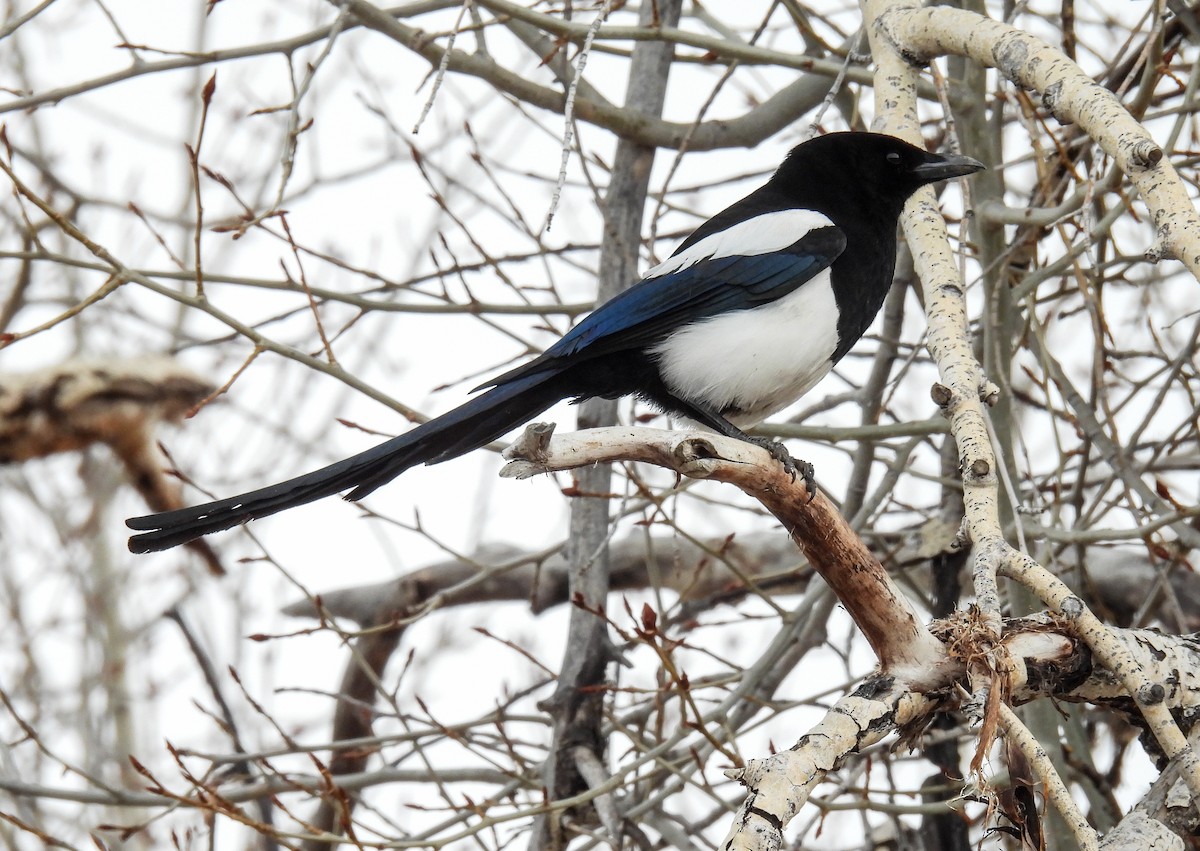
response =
{"points": [[868, 168]]}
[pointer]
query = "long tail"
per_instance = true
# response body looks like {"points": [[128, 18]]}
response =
{"points": [[467, 427]]}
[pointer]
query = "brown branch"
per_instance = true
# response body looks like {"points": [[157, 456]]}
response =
{"points": [[118, 403], [384, 610], [904, 647], [352, 719], [702, 574], [747, 130]]}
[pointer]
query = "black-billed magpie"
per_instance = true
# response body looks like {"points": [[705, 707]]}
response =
{"points": [[752, 310]]}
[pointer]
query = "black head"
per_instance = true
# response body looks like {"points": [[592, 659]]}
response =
{"points": [[857, 170], [859, 180]]}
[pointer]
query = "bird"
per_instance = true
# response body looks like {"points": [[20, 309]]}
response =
{"points": [[748, 314]]}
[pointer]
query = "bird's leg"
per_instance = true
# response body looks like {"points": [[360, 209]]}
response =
{"points": [[705, 415], [792, 465]]}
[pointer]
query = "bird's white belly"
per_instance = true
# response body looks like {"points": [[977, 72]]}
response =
{"points": [[752, 363]]}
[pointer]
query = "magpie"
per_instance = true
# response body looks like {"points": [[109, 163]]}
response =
{"points": [[751, 311]]}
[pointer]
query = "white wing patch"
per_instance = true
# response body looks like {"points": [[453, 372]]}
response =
{"points": [[752, 363], [759, 235]]}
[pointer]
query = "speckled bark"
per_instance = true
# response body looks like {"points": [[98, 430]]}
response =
{"points": [[1069, 93], [902, 35]]}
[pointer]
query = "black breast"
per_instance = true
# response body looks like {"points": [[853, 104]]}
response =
{"points": [[861, 278]]}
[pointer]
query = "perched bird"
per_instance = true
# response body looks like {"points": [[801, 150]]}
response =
{"points": [[750, 312]]}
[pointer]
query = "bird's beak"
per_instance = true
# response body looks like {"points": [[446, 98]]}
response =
{"points": [[950, 165]]}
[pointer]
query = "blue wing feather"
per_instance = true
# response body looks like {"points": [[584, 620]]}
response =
{"points": [[653, 307], [657, 305]]}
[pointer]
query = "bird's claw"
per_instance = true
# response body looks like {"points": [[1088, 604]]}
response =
{"points": [[809, 473], [806, 470]]}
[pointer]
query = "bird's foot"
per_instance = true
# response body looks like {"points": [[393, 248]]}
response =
{"points": [[779, 452]]}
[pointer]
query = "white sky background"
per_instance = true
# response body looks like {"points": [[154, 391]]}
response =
{"points": [[125, 143]]}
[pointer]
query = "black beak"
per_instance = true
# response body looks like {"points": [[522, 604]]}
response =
{"points": [[950, 165]]}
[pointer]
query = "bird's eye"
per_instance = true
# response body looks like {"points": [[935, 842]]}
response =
{"points": [[893, 158]]}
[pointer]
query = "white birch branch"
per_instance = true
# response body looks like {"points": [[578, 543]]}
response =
{"points": [[925, 32], [779, 785], [1139, 832], [1044, 656], [1053, 787], [1069, 93]]}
